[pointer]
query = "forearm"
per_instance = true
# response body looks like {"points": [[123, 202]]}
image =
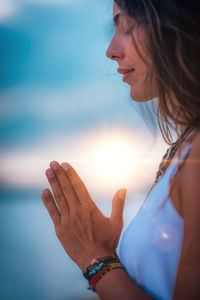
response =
{"points": [[116, 284]]}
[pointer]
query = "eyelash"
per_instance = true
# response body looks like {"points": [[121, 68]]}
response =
{"points": [[128, 31]]}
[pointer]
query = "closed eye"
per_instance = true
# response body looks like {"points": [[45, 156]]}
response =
{"points": [[129, 30]]}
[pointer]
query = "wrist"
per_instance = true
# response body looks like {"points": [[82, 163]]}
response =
{"points": [[99, 267], [84, 263]]}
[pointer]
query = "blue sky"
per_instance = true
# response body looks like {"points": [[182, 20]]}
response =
{"points": [[62, 99], [59, 93]]}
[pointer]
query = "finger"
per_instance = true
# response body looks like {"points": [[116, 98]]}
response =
{"points": [[118, 206], [57, 191], [65, 185], [50, 205], [78, 185]]}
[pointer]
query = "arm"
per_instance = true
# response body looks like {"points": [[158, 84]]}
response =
{"points": [[117, 285], [187, 285]]}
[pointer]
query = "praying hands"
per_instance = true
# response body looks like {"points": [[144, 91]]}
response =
{"points": [[83, 230]]}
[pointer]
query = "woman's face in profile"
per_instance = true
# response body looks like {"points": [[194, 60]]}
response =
{"points": [[122, 50]]}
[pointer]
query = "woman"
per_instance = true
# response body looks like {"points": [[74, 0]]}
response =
{"points": [[157, 46]]}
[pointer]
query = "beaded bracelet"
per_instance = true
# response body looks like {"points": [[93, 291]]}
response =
{"points": [[101, 273], [98, 264], [99, 268]]}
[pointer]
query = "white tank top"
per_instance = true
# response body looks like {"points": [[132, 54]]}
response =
{"points": [[150, 247]]}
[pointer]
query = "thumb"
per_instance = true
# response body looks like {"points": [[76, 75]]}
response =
{"points": [[118, 205]]}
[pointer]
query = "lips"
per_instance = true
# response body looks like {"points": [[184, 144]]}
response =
{"points": [[126, 73]]}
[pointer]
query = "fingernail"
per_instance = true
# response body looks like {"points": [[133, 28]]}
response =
{"points": [[54, 165], [50, 173], [46, 193], [122, 194], [65, 166]]}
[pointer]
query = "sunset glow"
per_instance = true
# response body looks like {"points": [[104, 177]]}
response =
{"points": [[105, 159], [115, 160]]}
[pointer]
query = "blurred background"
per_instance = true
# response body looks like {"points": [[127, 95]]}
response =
{"points": [[62, 99]]}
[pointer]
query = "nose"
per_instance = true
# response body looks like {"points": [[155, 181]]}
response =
{"points": [[114, 51]]}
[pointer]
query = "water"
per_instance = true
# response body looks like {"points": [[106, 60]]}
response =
{"points": [[33, 263]]}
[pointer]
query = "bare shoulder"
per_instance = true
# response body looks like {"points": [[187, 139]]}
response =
{"points": [[188, 273], [190, 173], [193, 160], [186, 172]]}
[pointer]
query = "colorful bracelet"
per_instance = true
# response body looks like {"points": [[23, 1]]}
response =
{"points": [[99, 267], [98, 264]]}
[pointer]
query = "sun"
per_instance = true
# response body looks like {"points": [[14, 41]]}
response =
{"points": [[108, 159], [114, 160]]}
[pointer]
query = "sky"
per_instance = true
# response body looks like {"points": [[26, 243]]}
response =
{"points": [[62, 99]]}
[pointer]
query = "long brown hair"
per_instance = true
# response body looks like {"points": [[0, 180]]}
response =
{"points": [[172, 31]]}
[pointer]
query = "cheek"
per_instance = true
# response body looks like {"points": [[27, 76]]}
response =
{"points": [[142, 90]]}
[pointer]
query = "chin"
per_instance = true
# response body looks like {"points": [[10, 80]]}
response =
{"points": [[140, 96]]}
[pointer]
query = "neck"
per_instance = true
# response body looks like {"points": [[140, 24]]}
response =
{"points": [[183, 127]]}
